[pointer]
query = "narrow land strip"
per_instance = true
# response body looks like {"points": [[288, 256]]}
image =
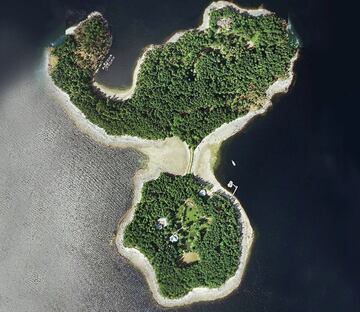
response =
{"points": [[174, 156]]}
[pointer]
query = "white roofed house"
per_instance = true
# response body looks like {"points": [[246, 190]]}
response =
{"points": [[174, 238], [202, 193], [161, 223]]}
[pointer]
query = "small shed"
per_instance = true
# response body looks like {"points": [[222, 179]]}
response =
{"points": [[161, 223], [174, 238], [202, 193]]}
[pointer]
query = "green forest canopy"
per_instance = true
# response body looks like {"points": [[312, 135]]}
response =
{"points": [[185, 89], [207, 226]]}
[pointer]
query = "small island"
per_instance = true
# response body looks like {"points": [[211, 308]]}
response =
{"points": [[190, 235], [187, 234]]}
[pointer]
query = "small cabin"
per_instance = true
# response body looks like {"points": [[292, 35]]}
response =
{"points": [[174, 238], [161, 223], [202, 193]]}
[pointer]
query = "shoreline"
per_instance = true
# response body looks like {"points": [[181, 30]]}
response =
{"points": [[201, 166], [170, 155], [126, 93], [203, 159], [174, 156]]}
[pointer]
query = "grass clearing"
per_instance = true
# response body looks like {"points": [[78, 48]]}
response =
{"points": [[255, 39], [189, 220], [190, 257]]}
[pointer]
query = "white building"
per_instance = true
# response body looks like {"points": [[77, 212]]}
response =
{"points": [[202, 193], [161, 223], [174, 238]]}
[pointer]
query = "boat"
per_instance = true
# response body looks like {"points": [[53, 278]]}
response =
{"points": [[233, 163]]}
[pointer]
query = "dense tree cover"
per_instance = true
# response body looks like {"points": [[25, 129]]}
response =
{"points": [[93, 40], [184, 89], [218, 244]]}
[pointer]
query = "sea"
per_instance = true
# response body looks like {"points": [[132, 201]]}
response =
{"points": [[297, 167]]}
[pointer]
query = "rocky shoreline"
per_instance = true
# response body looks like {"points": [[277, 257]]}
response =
{"points": [[174, 156]]}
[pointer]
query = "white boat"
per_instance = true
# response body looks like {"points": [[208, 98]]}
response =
{"points": [[233, 163]]}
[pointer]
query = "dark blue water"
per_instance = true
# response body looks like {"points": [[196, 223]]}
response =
{"points": [[298, 166], [298, 176]]}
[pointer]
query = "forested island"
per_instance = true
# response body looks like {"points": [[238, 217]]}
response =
{"points": [[188, 235], [185, 88], [191, 238]]}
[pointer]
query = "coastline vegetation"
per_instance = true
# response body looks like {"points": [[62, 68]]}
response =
{"points": [[187, 88], [207, 227]]}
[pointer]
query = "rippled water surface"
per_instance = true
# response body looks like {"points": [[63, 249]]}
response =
{"points": [[61, 197]]}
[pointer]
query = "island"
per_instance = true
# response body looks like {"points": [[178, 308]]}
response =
{"points": [[190, 236], [187, 234]]}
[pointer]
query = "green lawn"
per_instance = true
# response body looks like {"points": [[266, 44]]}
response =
{"points": [[189, 220]]}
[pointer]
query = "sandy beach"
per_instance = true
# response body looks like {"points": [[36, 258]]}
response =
{"points": [[201, 166], [169, 155], [174, 156]]}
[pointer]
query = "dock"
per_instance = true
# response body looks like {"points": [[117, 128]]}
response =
{"points": [[108, 62], [232, 185]]}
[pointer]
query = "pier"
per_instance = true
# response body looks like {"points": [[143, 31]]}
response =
{"points": [[231, 185], [108, 62]]}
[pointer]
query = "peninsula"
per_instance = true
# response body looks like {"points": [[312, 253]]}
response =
{"points": [[188, 235]]}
